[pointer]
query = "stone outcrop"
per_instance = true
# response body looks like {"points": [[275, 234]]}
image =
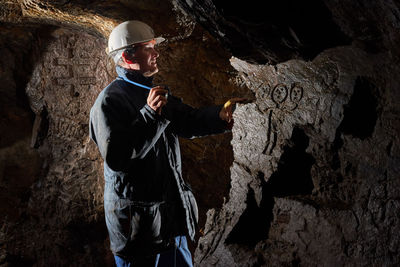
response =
{"points": [[314, 180], [315, 172], [309, 175]]}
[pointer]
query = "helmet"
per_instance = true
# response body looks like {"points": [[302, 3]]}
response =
{"points": [[129, 33]]}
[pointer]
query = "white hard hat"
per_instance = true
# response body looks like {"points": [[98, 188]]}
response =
{"points": [[129, 33]]}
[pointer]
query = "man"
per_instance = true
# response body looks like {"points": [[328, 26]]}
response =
{"points": [[149, 208]]}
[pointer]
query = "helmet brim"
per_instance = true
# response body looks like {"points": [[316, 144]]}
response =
{"points": [[157, 39]]}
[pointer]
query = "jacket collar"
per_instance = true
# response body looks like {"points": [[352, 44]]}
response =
{"points": [[134, 76]]}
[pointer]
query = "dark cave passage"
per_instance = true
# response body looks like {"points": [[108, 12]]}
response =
{"points": [[359, 116], [361, 113]]}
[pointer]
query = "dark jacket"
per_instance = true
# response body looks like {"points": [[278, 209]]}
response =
{"points": [[146, 200]]}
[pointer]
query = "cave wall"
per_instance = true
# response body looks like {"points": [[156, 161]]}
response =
{"points": [[60, 217], [315, 178], [309, 175], [67, 201]]}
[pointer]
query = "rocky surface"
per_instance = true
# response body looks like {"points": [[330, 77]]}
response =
{"points": [[315, 173], [60, 218]]}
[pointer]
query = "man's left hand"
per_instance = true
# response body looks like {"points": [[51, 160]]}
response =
{"points": [[227, 110]]}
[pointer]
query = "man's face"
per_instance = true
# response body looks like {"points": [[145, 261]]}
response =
{"points": [[146, 56]]}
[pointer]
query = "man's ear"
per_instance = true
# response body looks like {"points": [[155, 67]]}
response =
{"points": [[127, 58]]}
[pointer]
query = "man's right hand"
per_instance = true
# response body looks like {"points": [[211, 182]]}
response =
{"points": [[157, 98]]}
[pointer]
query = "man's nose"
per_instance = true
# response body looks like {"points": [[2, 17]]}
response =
{"points": [[155, 53]]}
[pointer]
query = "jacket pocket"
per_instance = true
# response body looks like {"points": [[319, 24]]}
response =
{"points": [[133, 227], [146, 223]]}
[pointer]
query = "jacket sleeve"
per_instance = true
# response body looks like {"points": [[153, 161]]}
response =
{"points": [[120, 136], [189, 122]]}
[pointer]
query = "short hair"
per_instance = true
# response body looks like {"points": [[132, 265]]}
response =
{"points": [[117, 55]]}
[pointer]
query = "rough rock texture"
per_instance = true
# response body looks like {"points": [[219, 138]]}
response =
{"points": [[315, 178], [315, 174], [60, 219]]}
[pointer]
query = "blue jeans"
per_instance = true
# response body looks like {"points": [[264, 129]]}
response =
{"points": [[176, 257]]}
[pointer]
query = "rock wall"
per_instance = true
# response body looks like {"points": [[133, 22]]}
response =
{"points": [[315, 174], [60, 219], [315, 178]]}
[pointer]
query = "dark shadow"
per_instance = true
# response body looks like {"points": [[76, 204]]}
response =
{"points": [[18, 261], [270, 31], [293, 178], [253, 224]]}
